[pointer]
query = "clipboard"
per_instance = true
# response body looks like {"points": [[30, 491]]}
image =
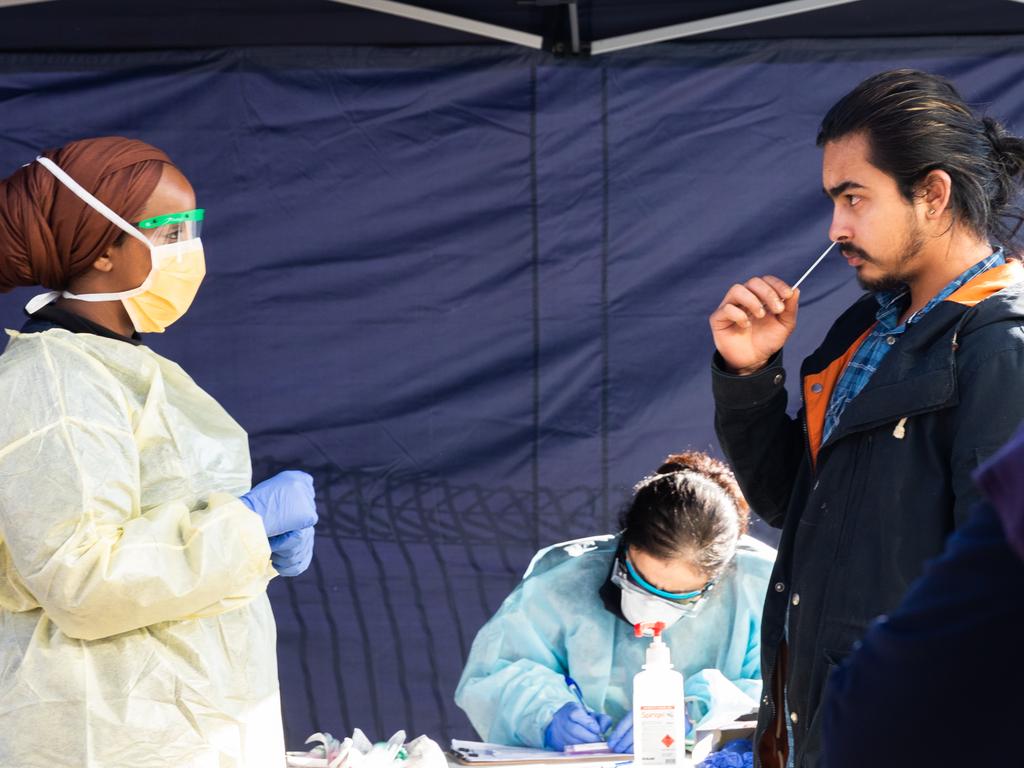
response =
{"points": [[480, 753]]}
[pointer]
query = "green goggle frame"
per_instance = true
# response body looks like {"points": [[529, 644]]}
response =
{"points": [[172, 218]]}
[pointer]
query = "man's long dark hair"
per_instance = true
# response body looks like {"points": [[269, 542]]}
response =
{"points": [[915, 123]]}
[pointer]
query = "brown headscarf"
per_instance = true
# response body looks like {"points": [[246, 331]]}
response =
{"points": [[48, 235]]}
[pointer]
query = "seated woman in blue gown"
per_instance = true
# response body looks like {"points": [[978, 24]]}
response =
{"points": [[682, 558]]}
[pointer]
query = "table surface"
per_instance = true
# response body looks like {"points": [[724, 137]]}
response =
{"points": [[453, 763]]}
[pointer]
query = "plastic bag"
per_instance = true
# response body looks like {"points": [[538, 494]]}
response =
{"points": [[356, 751]]}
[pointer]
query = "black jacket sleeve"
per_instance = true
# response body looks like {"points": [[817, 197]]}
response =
{"points": [[763, 444]]}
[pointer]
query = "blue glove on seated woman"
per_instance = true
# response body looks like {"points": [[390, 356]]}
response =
{"points": [[621, 739], [572, 724]]}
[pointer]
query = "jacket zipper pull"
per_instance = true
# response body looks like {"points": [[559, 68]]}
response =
{"points": [[901, 429]]}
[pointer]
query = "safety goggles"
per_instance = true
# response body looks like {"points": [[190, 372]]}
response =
{"points": [[173, 227], [628, 579]]}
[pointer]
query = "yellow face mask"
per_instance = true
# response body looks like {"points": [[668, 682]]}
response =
{"points": [[168, 291], [177, 270]]}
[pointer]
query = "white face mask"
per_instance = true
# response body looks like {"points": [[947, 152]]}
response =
{"points": [[176, 271], [640, 609]]}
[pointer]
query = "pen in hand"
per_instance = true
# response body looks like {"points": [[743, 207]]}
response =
{"points": [[574, 688]]}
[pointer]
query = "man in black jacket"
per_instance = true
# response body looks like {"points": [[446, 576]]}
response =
{"points": [[912, 387]]}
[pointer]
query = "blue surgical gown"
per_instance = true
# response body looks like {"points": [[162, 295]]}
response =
{"points": [[555, 623]]}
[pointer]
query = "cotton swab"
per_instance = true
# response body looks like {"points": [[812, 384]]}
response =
{"points": [[815, 264]]}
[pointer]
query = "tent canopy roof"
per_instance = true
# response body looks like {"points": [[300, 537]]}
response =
{"points": [[127, 24]]}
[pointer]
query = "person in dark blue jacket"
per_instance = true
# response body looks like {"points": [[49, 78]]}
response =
{"points": [[939, 681], [911, 389]]}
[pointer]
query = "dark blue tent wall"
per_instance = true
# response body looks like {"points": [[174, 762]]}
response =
{"points": [[468, 290]]}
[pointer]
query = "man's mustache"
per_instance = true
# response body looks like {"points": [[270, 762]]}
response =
{"points": [[848, 250]]}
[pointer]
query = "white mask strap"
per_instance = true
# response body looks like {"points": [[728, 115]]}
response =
{"points": [[89, 199], [41, 300]]}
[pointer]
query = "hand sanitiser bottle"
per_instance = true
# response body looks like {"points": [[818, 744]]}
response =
{"points": [[659, 713]]}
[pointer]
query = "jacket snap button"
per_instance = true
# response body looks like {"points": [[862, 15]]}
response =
{"points": [[890, 340], [796, 599], [780, 587], [778, 378], [816, 388], [793, 717]]}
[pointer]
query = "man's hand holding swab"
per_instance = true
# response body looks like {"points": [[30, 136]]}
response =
{"points": [[755, 319], [753, 322]]}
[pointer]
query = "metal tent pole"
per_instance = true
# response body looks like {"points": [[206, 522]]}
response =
{"points": [[448, 20], [574, 27], [712, 23]]}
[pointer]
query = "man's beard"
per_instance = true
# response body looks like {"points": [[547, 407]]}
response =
{"points": [[897, 278]]}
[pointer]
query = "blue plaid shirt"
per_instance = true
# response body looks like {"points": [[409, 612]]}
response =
{"points": [[884, 335]]}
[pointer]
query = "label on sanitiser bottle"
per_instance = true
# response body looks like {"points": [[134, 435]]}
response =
{"points": [[656, 726]]}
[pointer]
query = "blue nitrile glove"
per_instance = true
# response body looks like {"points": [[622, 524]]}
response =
{"points": [[286, 502], [728, 760], [736, 754], [621, 739], [572, 724], [292, 552], [739, 746]]}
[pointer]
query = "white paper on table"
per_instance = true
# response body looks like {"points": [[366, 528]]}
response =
{"points": [[484, 752]]}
